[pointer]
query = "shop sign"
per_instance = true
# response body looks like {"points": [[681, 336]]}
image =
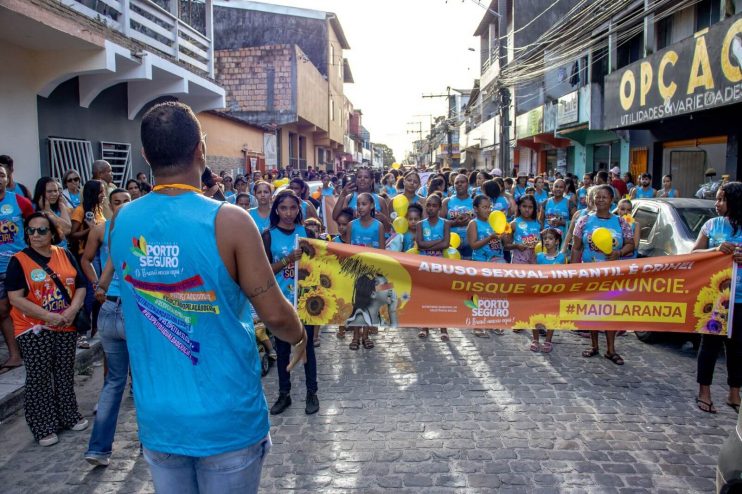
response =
{"points": [[568, 109], [530, 124], [698, 73], [443, 149]]}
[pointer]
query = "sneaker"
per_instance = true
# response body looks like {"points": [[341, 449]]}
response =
{"points": [[273, 355], [81, 425], [82, 342], [98, 461], [312, 403], [499, 332], [48, 440], [281, 404]]}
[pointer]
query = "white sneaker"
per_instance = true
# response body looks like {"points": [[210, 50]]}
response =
{"points": [[98, 461], [81, 425], [48, 440]]}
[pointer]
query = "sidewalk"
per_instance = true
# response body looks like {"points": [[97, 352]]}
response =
{"points": [[12, 383]]}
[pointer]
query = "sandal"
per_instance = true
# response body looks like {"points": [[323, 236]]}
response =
{"points": [[368, 344], [444, 337], [534, 346], [614, 357], [547, 347], [735, 406], [341, 333], [355, 344], [499, 332], [705, 406], [423, 333], [590, 353], [481, 333]]}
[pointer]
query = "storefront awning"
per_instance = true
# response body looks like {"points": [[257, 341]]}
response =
{"points": [[539, 142]]}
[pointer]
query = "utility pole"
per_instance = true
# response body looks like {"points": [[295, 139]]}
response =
{"points": [[503, 91], [419, 133], [449, 134]]}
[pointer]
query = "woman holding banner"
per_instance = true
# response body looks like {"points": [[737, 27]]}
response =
{"points": [[586, 248], [723, 234]]}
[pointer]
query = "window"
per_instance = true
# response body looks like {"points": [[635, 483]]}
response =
{"points": [[707, 13], [631, 50], [646, 219], [664, 33], [332, 54], [332, 109]]}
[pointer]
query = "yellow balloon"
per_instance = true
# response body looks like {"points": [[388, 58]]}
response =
{"points": [[277, 183], [395, 166], [413, 250], [603, 240], [539, 248], [400, 204], [498, 221], [455, 240], [451, 253], [401, 225]]}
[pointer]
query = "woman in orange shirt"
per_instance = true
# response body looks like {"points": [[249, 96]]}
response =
{"points": [[46, 290]]}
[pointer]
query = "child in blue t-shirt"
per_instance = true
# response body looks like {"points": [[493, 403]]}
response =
{"points": [[551, 240]]}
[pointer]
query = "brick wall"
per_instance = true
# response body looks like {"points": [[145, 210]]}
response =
{"points": [[257, 79], [219, 163]]}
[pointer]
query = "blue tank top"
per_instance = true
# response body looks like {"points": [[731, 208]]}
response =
{"points": [[671, 193], [526, 232], [590, 253], [113, 287], [491, 251], [553, 209], [644, 194], [542, 258], [353, 202], [501, 204], [540, 197], [391, 190], [518, 192], [282, 244], [262, 223], [430, 233], [367, 236], [63, 244], [194, 362], [11, 229], [408, 241], [719, 230], [73, 199], [458, 207]]}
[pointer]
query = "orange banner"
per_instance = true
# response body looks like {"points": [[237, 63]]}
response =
{"points": [[342, 284]]}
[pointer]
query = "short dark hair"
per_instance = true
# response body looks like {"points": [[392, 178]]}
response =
{"points": [[119, 190], [170, 133], [6, 160], [347, 212], [56, 237]]}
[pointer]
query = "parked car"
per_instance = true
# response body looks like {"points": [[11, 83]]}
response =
{"points": [[669, 227], [729, 467]]}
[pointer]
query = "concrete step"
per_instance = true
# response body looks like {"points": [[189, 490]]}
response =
{"points": [[12, 383]]}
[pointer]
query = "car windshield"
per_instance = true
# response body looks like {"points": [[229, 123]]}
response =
{"points": [[694, 218]]}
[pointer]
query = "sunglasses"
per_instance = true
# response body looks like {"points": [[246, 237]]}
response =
{"points": [[75, 179], [42, 230]]}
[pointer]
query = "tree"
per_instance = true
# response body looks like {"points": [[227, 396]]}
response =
{"points": [[387, 153]]}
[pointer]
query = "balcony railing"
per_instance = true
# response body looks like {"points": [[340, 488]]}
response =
{"points": [[150, 24]]}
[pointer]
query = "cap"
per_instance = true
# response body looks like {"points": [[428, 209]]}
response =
{"points": [[522, 174], [616, 170], [710, 172], [497, 172]]}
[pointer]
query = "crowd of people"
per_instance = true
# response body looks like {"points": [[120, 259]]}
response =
{"points": [[68, 267]]}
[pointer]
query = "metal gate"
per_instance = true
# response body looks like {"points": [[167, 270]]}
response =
{"points": [[118, 154], [71, 154], [687, 168]]}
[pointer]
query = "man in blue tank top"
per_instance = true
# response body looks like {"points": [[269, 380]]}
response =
{"points": [[185, 278]]}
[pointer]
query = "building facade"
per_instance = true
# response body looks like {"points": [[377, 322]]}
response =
{"points": [[284, 69], [78, 75]]}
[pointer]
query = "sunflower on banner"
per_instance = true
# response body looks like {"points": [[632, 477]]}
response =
{"points": [[712, 305]]}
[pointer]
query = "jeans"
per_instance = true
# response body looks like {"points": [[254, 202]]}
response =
{"points": [[113, 338], [710, 348], [234, 471], [283, 350]]}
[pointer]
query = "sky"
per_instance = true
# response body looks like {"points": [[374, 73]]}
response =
{"points": [[400, 50]]}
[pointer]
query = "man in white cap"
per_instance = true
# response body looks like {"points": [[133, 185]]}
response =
{"points": [[497, 172], [617, 182]]}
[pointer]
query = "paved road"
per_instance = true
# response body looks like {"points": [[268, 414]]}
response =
{"points": [[470, 415]]}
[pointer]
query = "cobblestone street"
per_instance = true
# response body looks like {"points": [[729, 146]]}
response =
{"points": [[470, 415]]}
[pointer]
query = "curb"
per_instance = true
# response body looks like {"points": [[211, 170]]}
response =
{"points": [[13, 389]]}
